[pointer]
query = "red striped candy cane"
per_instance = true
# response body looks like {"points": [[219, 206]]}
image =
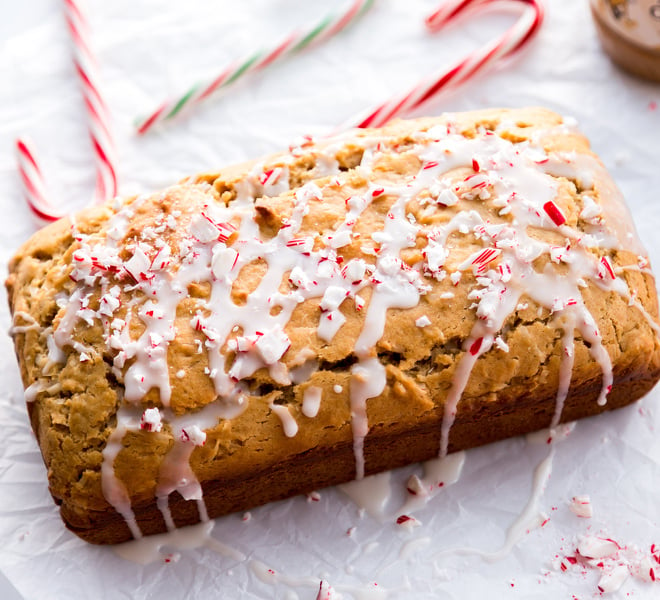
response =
{"points": [[33, 182], [479, 61], [98, 123]]}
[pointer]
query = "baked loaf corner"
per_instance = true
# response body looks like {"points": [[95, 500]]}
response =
{"points": [[345, 307]]}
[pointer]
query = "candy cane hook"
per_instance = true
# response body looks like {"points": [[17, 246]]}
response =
{"points": [[98, 116], [482, 59]]}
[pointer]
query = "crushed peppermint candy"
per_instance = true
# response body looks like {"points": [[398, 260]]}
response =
{"points": [[555, 214], [591, 211], [423, 321], [172, 557], [615, 562], [333, 298], [327, 592], [501, 344], [605, 269], [416, 487], [408, 522], [597, 547], [612, 580], [447, 198], [581, 506], [151, 420], [223, 261], [272, 345], [193, 435]]}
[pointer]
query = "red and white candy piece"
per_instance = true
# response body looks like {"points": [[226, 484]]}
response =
{"points": [[408, 522], [327, 592], [581, 507], [32, 180], [151, 420], [597, 547], [554, 212], [479, 61], [612, 580], [98, 123], [193, 435]]}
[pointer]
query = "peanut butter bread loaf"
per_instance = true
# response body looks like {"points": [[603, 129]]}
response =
{"points": [[380, 298]]}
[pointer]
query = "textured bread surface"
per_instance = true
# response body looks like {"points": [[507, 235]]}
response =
{"points": [[435, 285]]}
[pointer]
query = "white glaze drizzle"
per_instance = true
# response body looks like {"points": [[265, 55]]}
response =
{"points": [[368, 381], [530, 518], [565, 367], [33, 390], [30, 324], [175, 473], [511, 176], [289, 425], [370, 493], [148, 549], [439, 473], [114, 490], [312, 401], [413, 546]]}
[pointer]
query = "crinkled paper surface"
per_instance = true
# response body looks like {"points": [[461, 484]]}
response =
{"points": [[148, 49]]}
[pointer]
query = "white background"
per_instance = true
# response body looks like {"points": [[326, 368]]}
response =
{"points": [[148, 49]]}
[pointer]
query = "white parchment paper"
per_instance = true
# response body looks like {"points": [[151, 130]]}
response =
{"points": [[148, 49]]}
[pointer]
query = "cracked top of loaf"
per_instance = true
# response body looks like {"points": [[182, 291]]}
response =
{"points": [[352, 287]]}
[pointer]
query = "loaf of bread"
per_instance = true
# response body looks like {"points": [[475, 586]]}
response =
{"points": [[349, 306]]}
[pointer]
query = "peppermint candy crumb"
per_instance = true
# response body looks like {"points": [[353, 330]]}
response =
{"points": [[597, 547], [408, 522], [327, 592], [151, 420], [194, 435], [416, 487], [313, 497], [611, 581], [172, 557], [581, 506]]}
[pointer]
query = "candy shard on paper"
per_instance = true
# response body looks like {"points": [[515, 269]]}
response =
{"points": [[581, 506], [327, 592], [611, 581], [597, 547]]}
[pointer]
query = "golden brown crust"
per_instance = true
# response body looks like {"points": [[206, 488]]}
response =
{"points": [[248, 460]]}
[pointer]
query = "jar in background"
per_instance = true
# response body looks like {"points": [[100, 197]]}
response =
{"points": [[630, 33]]}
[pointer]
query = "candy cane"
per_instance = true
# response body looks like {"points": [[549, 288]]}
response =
{"points": [[294, 42], [33, 182], [98, 123], [486, 57]]}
